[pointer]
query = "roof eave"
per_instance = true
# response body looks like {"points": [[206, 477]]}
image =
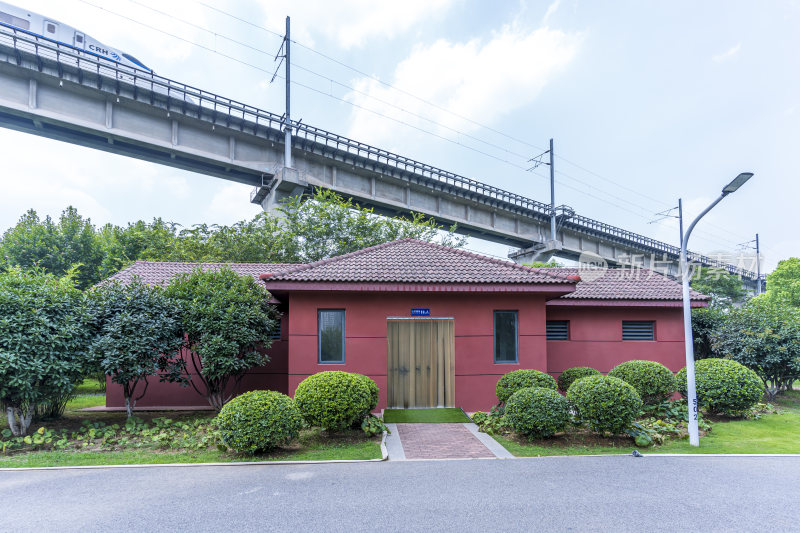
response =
{"points": [[599, 302], [550, 289]]}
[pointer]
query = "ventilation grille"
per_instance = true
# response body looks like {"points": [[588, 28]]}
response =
{"points": [[558, 330], [638, 331]]}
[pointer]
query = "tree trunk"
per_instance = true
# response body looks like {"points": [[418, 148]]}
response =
{"points": [[129, 405], [772, 389], [19, 419], [216, 399]]}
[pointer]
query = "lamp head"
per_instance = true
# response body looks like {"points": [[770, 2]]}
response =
{"points": [[737, 182]]}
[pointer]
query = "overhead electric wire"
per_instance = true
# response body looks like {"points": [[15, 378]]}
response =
{"points": [[658, 202], [378, 113], [299, 84]]}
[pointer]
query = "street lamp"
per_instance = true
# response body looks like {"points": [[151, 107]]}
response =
{"points": [[691, 390]]}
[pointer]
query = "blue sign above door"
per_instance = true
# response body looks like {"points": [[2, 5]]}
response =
{"points": [[417, 311]]}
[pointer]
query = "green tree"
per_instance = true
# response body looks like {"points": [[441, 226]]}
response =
{"points": [[228, 322], [322, 226], [544, 264], [158, 240], [764, 336], [43, 338], [137, 334], [725, 289], [783, 284], [329, 225], [705, 322], [54, 247]]}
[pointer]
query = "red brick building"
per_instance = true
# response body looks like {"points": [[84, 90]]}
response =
{"points": [[435, 326]]}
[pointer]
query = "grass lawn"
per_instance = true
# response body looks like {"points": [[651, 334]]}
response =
{"points": [[426, 416], [772, 433], [90, 386]]}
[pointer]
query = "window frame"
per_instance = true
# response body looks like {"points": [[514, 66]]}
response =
{"points": [[319, 336], [516, 336], [569, 330], [653, 330]]}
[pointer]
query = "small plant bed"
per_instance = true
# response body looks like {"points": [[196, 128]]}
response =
{"points": [[425, 416], [766, 428], [82, 438], [189, 439], [575, 441], [311, 445]]}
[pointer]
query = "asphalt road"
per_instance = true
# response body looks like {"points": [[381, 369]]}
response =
{"points": [[539, 494]]}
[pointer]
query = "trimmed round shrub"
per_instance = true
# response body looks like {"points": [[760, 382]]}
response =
{"points": [[333, 400], [537, 412], [374, 394], [606, 404], [571, 375], [723, 385], [522, 379], [259, 420], [653, 381]]}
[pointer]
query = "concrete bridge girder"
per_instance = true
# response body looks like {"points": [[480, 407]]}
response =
{"points": [[45, 98]]}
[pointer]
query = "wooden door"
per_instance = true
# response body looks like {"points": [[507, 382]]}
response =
{"points": [[421, 363]]}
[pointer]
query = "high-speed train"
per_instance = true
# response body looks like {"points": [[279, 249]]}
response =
{"points": [[36, 24]]}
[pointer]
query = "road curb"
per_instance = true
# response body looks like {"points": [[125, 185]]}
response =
{"points": [[384, 457], [664, 455]]}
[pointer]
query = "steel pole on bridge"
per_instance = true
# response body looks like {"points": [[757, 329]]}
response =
{"points": [[758, 267], [287, 155], [552, 195], [691, 389]]}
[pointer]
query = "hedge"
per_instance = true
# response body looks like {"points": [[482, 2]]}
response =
{"points": [[724, 386], [522, 379], [570, 375], [653, 381], [259, 420], [333, 400], [606, 404], [537, 412]]}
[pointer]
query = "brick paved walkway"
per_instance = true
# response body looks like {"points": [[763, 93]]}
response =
{"points": [[440, 441]]}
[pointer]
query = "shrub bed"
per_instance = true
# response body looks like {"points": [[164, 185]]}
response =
{"points": [[571, 375], [606, 404], [653, 381], [537, 412], [724, 386], [257, 421], [479, 417], [333, 400], [522, 379]]}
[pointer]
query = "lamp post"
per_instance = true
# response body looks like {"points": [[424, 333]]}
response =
{"points": [[691, 390]]}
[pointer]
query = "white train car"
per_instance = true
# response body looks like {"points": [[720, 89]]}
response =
{"points": [[36, 24]]}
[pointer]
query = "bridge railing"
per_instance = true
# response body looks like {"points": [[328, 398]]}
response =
{"points": [[672, 252], [194, 101]]}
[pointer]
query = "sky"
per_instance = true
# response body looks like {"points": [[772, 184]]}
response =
{"points": [[646, 101]]}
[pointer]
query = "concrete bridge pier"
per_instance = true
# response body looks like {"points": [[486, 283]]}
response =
{"points": [[286, 182], [539, 252]]}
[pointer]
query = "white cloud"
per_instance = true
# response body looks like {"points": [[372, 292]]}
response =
{"points": [[728, 54], [477, 78], [351, 23], [231, 204], [551, 9]]}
